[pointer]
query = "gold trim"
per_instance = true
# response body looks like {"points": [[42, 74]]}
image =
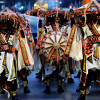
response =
{"points": [[4, 61], [82, 91], [14, 93], [84, 63], [68, 75], [96, 53], [48, 82], [25, 83]]}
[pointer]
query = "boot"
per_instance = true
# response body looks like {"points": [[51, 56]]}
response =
{"points": [[1, 90], [60, 89], [70, 80], [88, 90], [47, 90], [78, 75], [78, 89], [15, 98], [39, 75], [26, 90], [14, 95], [82, 95]]}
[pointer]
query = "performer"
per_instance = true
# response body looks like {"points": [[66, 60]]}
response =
{"points": [[90, 69], [74, 34], [7, 64], [38, 67], [50, 69], [25, 60]]}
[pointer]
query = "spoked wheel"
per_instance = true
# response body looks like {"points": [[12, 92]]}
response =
{"points": [[54, 45]]}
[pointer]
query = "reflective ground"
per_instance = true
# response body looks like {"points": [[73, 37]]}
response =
{"points": [[37, 91]]}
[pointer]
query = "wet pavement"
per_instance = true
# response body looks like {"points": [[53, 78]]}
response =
{"points": [[37, 89]]}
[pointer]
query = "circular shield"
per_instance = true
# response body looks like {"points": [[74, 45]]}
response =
{"points": [[54, 45]]}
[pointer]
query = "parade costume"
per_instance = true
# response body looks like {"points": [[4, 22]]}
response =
{"points": [[91, 57], [24, 58], [11, 38], [51, 53], [8, 64], [90, 66], [74, 42]]}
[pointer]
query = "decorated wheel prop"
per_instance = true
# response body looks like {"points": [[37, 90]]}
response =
{"points": [[53, 46]]}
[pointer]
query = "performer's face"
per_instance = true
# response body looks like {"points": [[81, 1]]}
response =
{"points": [[79, 20], [94, 18], [57, 20]]}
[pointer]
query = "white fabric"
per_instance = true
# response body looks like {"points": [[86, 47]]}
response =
{"points": [[20, 58], [96, 63], [68, 30], [9, 63], [1, 62], [76, 49], [9, 59], [37, 62], [28, 52]]}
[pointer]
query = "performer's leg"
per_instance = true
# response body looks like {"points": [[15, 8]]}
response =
{"points": [[79, 87], [78, 64], [83, 90], [88, 83], [70, 79], [24, 80], [42, 60], [47, 90], [59, 82], [2, 77], [39, 74], [82, 94], [13, 88]]}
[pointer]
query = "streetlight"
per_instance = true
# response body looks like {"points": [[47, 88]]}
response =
{"points": [[60, 2], [70, 7], [56, 1]]}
